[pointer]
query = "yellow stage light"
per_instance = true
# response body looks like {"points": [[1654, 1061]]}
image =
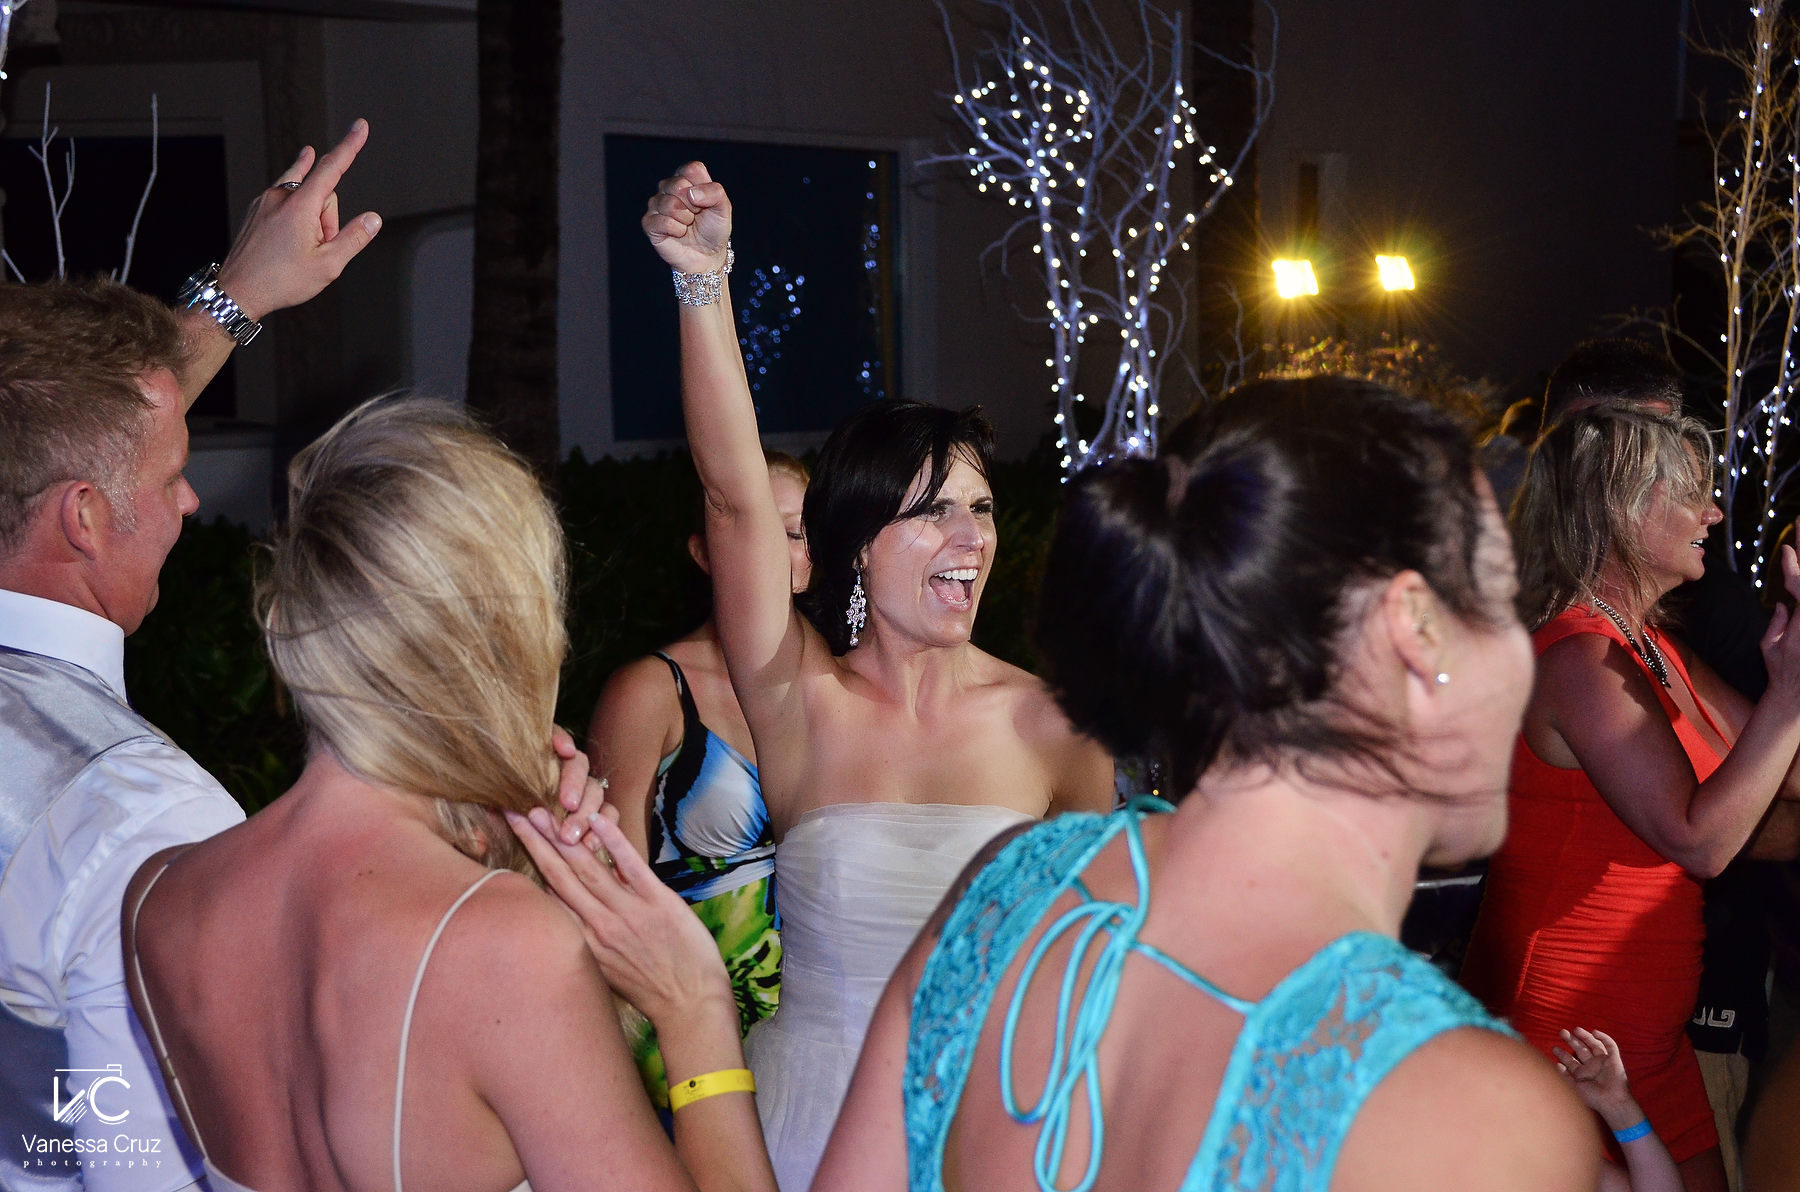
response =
{"points": [[1396, 274], [1295, 278]]}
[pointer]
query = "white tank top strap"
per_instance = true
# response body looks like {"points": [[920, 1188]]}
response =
{"points": [[162, 1051], [412, 999]]}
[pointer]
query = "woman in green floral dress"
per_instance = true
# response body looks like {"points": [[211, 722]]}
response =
{"points": [[669, 737]]}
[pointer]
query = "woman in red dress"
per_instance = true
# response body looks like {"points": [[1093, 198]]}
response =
{"points": [[1638, 773]]}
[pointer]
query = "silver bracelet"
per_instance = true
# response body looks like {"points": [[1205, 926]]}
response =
{"points": [[702, 289]]}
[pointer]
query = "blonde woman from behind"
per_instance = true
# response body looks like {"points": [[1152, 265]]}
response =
{"points": [[362, 987]]}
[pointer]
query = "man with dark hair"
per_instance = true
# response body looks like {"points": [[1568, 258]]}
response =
{"points": [[1603, 372], [95, 381]]}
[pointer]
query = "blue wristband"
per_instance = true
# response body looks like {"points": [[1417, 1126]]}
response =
{"points": [[1633, 1133]]}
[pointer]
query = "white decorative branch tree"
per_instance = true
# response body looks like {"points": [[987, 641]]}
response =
{"points": [[46, 139], [1085, 125], [1751, 225], [8, 8]]}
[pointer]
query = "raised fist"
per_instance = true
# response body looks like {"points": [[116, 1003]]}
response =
{"points": [[689, 220]]}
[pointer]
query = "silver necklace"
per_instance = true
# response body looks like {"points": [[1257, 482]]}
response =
{"points": [[1647, 651]]}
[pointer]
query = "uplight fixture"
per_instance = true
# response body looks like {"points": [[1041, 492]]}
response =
{"points": [[1395, 273], [1294, 279]]}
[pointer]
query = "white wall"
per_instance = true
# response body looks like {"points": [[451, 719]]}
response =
{"points": [[415, 84], [439, 284]]}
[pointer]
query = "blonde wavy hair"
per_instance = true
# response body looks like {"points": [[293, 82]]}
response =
{"points": [[1593, 479], [414, 608]]}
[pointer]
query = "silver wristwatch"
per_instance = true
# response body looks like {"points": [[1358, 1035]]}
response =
{"points": [[202, 292], [702, 289]]}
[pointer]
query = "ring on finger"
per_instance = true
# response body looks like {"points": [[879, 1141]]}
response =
{"points": [[286, 186]]}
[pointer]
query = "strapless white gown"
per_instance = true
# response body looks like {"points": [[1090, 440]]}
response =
{"points": [[855, 882]]}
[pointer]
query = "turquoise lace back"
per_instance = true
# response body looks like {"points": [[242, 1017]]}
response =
{"points": [[1307, 1057]]}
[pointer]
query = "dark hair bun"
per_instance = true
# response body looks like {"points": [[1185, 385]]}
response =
{"points": [[1196, 603]]}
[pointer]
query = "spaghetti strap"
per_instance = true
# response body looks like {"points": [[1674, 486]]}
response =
{"points": [[691, 727], [162, 1051], [411, 1000]]}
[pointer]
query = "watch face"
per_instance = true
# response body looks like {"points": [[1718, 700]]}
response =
{"points": [[200, 286]]}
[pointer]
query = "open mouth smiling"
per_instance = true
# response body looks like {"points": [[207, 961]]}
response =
{"points": [[955, 587]]}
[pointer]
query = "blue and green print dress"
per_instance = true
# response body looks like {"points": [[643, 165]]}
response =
{"points": [[710, 842]]}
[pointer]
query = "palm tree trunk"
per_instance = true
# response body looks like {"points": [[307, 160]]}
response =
{"points": [[1228, 246], [512, 352]]}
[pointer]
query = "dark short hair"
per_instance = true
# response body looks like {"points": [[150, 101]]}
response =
{"points": [[1193, 605], [72, 359], [860, 484], [1612, 372]]}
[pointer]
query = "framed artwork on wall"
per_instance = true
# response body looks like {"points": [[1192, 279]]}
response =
{"points": [[815, 286]]}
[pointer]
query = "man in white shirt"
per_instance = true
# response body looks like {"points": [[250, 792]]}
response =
{"points": [[95, 382]]}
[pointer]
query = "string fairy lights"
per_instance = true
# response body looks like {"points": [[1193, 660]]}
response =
{"points": [[871, 376], [7, 9], [1090, 137], [761, 335], [1753, 225]]}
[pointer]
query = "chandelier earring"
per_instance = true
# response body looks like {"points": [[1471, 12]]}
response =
{"points": [[858, 615]]}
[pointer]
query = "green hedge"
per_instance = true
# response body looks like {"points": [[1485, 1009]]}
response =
{"points": [[197, 667]]}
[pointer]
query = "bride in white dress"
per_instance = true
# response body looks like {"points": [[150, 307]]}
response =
{"points": [[890, 748]]}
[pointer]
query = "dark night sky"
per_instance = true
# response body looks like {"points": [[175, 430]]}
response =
{"points": [[1519, 152]]}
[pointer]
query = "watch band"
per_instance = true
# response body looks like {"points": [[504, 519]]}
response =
{"points": [[202, 292]]}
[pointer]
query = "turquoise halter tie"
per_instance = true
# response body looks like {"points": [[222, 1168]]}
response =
{"points": [[1074, 1061]]}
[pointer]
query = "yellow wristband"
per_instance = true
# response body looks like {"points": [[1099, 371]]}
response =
{"points": [[710, 1084]]}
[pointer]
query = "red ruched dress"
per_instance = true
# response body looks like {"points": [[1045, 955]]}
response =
{"points": [[1583, 924]]}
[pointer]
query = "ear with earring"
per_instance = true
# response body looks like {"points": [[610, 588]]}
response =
{"points": [[1442, 678], [858, 615]]}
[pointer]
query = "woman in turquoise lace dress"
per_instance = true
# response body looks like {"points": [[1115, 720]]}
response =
{"points": [[1305, 606]]}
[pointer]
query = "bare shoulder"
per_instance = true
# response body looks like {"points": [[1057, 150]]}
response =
{"points": [[1587, 679], [1584, 663], [638, 708], [513, 946], [1590, 689], [515, 1009], [149, 871], [1476, 1110], [137, 890], [1081, 769], [1029, 702], [817, 673], [641, 684]]}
